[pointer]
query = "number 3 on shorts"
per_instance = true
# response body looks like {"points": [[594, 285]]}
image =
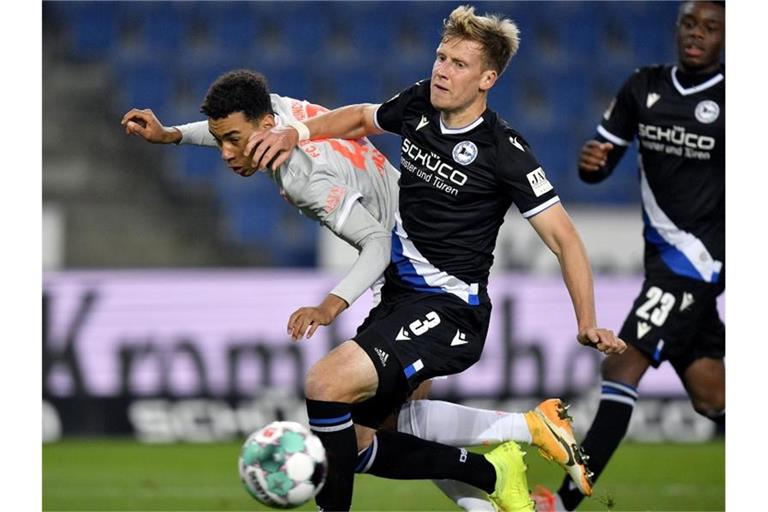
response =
{"points": [[658, 316], [419, 327]]}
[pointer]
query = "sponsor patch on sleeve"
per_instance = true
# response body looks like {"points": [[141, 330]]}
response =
{"points": [[539, 182]]}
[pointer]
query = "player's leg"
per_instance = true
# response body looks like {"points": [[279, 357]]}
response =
{"points": [[547, 427], [436, 420], [671, 319], [620, 376], [458, 425], [704, 380], [402, 365], [702, 368], [393, 454], [500, 474], [343, 376]]}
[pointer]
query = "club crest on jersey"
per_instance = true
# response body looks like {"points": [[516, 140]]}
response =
{"points": [[707, 111], [465, 152]]}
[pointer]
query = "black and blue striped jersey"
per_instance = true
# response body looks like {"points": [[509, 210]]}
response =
{"points": [[679, 122], [456, 184]]}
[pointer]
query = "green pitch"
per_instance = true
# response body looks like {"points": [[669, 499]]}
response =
{"points": [[123, 475]]}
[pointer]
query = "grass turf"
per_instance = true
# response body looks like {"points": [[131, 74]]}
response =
{"points": [[111, 475]]}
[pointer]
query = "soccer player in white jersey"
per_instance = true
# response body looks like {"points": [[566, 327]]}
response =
{"points": [[462, 167], [349, 187]]}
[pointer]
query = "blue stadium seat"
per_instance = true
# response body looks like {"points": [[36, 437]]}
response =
{"points": [[256, 215], [144, 83], [286, 80], [160, 28], [233, 29], [94, 28], [197, 166]]}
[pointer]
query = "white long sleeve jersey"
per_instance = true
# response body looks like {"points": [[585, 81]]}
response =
{"points": [[346, 185]]}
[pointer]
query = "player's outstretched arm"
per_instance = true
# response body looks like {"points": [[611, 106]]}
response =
{"points": [[274, 146], [555, 228], [362, 231], [144, 123]]}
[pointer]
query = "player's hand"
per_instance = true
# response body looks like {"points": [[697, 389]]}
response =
{"points": [[271, 148], [144, 123], [594, 154], [602, 339], [308, 319]]}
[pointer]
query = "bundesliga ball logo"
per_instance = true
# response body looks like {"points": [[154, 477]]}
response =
{"points": [[283, 465]]}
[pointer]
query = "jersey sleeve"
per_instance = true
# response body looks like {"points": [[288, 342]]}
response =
{"points": [[619, 124], [389, 115], [522, 177], [361, 230], [196, 134]]}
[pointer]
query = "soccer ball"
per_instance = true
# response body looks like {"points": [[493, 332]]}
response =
{"points": [[283, 464]]}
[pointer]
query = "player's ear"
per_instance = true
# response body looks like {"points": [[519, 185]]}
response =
{"points": [[487, 79], [267, 122]]}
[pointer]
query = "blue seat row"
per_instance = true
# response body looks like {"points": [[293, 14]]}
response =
{"points": [[163, 55]]}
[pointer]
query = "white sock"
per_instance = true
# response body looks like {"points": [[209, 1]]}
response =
{"points": [[466, 496], [457, 425]]}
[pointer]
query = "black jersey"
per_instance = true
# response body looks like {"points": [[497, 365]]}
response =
{"points": [[455, 188], [681, 137]]}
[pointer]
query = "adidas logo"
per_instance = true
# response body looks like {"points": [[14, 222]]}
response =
{"points": [[642, 329], [382, 355], [687, 301]]}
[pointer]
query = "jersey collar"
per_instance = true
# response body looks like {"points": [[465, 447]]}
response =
{"points": [[696, 88], [464, 129]]}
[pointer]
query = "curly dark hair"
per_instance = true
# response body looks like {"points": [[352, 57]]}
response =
{"points": [[240, 90]]}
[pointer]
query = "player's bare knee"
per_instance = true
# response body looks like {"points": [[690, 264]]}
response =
{"points": [[627, 368], [710, 407], [319, 386]]}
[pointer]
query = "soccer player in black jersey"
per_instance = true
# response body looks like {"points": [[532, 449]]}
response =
{"points": [[677, 114], [461, 167]]}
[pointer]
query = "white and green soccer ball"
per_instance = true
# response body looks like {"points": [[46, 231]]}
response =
{"points": [[283, 465]]}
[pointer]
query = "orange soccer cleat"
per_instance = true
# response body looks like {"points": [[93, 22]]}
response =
{"points": [[552, 433]]}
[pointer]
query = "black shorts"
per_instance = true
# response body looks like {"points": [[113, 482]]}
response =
{"points": [[416, 338], [676, 319]]}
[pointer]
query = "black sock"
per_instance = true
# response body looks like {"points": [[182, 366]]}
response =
{"points": [[332, 423], [608, 429], [406, 457], [719, 420]]}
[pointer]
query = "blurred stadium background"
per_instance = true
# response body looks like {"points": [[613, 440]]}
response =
{"points": [[168, 280]]}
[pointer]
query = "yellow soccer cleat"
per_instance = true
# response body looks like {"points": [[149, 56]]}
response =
{"points": [[552, 434], [511, 492]]}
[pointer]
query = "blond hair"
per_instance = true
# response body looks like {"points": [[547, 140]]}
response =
{"points": [[498, 36]]}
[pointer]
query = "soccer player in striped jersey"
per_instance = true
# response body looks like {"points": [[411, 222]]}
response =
{"points": [[461, 167], [677, 113], [351, 189]]}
